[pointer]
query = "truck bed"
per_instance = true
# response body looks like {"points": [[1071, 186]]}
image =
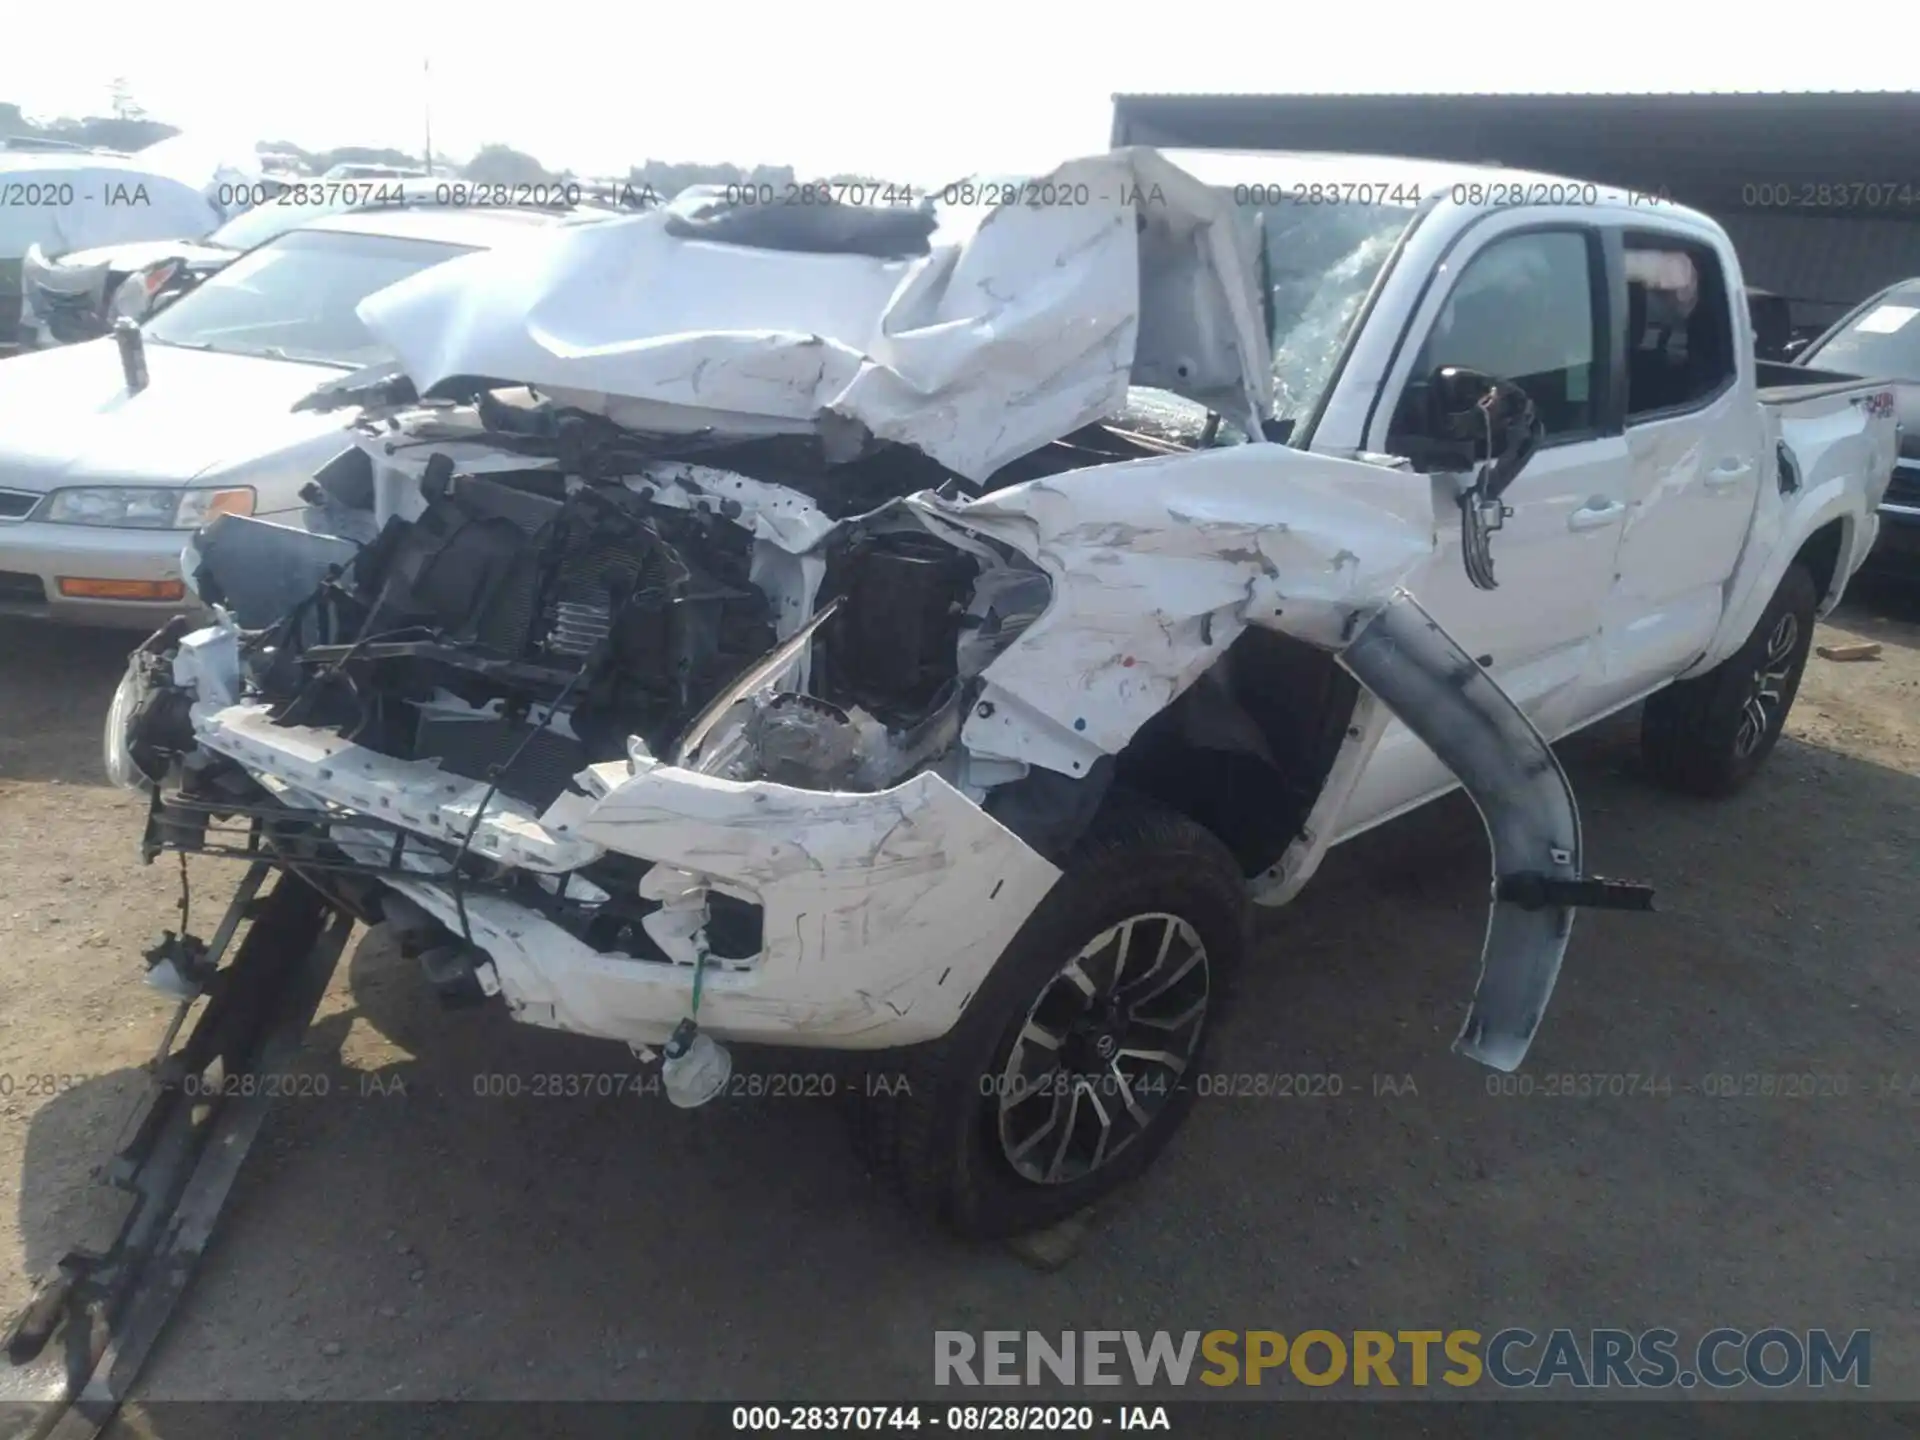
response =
{"points": [[1780, 383]]}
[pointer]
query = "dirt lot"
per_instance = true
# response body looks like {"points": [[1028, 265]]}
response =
{"points": [[407, 1237]]}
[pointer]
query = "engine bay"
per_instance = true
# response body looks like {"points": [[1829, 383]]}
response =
{"points": [[517, 628], [586, 586], [519, 631]]}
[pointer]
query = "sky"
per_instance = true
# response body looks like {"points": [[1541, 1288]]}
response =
{"points": [[905, 93]]}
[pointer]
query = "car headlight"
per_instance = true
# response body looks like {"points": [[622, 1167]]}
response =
{"points": [[146, 507]]}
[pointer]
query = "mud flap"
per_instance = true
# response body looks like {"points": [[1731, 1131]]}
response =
{"points": [[1439, 693]]}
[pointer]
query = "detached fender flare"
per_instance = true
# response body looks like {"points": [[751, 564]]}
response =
{"points": [[1533, 825]]}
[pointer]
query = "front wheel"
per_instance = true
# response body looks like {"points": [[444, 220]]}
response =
{"points": [[1709, 735], [1075, 1063]]}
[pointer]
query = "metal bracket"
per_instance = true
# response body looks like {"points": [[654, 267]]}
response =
{"points": [[179, 965], [1531, 890]]}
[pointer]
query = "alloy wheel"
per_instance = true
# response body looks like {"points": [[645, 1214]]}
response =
{"points": [[1103, 1049], [1765, 697]]}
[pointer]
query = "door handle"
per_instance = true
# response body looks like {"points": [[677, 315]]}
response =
{"points": [[1596, 516], [1728, 473]]}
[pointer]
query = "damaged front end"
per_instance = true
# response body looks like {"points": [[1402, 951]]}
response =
{"points": [[764, 689], [596, 743], [600, 735]]}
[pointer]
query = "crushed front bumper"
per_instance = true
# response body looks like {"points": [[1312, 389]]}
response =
{"points": [[881, 913]]}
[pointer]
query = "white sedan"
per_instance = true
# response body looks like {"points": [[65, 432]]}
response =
{"points": [[109, 460]]}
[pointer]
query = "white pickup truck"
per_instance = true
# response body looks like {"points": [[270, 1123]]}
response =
{"points": [[924, 632]]}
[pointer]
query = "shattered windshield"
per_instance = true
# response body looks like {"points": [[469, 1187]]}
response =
{"points": [[294, 298], [1318, 261], [1321, 260]]}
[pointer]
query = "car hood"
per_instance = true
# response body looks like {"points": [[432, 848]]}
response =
{"points": [[133, 255], [66, 416]]}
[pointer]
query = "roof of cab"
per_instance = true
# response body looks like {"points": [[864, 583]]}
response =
{"points": [[1303, 167], [1412, 177]]}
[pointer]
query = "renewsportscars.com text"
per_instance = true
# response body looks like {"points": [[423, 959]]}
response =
{"points": [[1514, 1358]]}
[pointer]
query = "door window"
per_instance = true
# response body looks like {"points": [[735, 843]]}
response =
{"points": [[1522, 310], [1679, 326]]}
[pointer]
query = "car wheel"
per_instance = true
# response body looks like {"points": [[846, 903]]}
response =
{"points": [[1709, 735], [1076, 1062]]}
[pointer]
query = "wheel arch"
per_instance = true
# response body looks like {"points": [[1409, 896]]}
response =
{"points": [[1246, 751], [1820, 552]]}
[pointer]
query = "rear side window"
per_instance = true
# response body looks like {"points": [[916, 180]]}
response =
{"points": [[1522, 310], [1679, 340]]}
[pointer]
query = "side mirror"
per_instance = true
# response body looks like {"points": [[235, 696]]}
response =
{"points": [[1468, 418], [1488, 426], [1795, 346]]}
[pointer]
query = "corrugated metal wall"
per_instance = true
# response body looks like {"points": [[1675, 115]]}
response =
{"points": [[1825, 264]]}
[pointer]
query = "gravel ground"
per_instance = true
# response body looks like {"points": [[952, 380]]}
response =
{"points": [[406, 1237]]}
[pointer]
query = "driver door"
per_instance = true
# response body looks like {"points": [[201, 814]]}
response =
{"points": [[1525, 302]]}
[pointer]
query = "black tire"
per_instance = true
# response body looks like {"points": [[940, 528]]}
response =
{"points": [[1709, 735], [940, 1134]]}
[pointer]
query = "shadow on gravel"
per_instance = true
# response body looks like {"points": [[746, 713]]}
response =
{"points": [[55, 686], [1883, 604], [64, 1204]]}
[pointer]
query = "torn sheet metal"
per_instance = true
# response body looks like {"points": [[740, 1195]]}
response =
{"points": [[1021, 324], [332, 771], [882, 913], [1157, 565]]}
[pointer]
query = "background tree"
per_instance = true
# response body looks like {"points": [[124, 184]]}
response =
{"points": [[322, 161], [504, 165]]}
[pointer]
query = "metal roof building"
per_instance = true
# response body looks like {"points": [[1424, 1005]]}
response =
{"points": [[1819, 190]]}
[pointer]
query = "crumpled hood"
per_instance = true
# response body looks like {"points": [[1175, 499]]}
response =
{"points": [[1023, 323], [66, 417]]}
